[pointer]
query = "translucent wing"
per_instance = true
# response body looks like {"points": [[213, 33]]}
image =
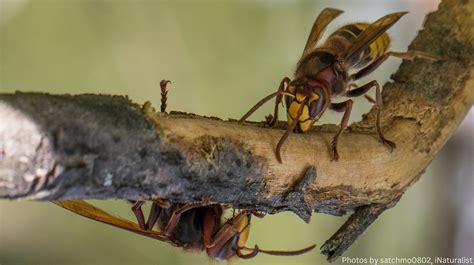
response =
{"points": [[371, 33], [320, 24], [88, 210]]}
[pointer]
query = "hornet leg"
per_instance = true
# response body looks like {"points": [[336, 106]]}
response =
{"points": [[279, 97], [279, 94], [153, 216], [137, 210], [345, 107], [378, 105], [409, 55], [176, 215]]}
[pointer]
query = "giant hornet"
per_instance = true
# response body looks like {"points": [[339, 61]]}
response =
{"points": [[193, 226], [323, 73]]}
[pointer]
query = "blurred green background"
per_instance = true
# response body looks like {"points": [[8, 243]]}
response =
{"points": [[222, 57]]}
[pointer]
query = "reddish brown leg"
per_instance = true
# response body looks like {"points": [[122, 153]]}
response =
{"points": [[164, 94], [378, 105], [279, 97], [369, 68], [345, 107], [176, 215], [225, 233], [250, 255], [410, 55], [137, 210], [278, 94], [353, 86], [153, 216], [211, 221], [216, 245], [258, 214], [256, 250], [370, 99]]}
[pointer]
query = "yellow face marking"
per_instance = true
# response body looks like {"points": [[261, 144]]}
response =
{"points": [[300, 97], [305, 126], [293, 111], [244, 235], [305, 114], [314, 97]]}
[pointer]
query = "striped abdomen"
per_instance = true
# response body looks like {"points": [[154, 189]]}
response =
{"points": [[342, 38]]}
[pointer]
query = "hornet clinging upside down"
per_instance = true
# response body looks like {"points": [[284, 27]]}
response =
{"points": [[193, 226], [323, 73]]}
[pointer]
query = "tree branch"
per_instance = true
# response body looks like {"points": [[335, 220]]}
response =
{"points": [[357, 223], [104, 147]]}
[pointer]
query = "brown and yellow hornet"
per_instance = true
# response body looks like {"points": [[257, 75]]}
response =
{"points": [[194, 226], [322, 73]]}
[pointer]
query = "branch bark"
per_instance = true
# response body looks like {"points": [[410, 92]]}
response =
{"points": [[103, 147]]}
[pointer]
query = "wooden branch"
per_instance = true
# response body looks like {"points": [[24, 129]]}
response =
{"points": [[357, 223], [104, 147]]}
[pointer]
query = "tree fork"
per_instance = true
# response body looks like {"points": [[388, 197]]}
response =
{"points": [[106, 147]]}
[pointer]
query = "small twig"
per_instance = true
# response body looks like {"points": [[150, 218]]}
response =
{"points": [[357, 223], [164, 95]]}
